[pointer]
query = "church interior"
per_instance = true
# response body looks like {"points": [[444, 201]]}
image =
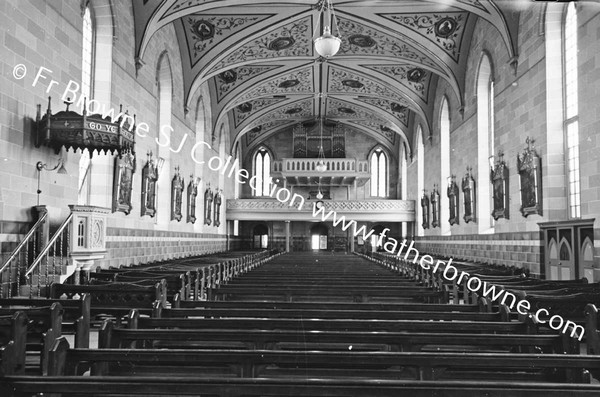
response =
{"points": [[268, 198]]}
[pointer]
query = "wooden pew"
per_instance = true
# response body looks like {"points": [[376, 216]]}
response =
{"points": [[111, 337], [13, 343], [364, 294], [113, 300], [318, 387], [277, 363], [134, 321], [250, 312], [366, 306], [75, 318], [44, 326]]}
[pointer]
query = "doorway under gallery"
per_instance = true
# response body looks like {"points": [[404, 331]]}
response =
{"points": [[318, 237], [260, 236]]}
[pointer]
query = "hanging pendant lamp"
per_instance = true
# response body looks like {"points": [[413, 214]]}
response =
{"points": [[327, 45]]}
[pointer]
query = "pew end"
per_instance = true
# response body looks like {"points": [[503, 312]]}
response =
{"points": [[592, 334]]}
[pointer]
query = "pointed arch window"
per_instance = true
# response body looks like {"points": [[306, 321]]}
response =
{"points": [[379, 173], [485, 137], [445, 164], [421, 180], [87, 80], [262, 172], [571, 125], [87, 59]]}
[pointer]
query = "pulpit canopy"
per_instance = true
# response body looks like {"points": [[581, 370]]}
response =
{"points": [[82, 131]]}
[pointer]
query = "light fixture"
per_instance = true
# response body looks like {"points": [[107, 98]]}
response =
{"points": [[327, 45], [44, 167], [60, 166], [321, 166]]}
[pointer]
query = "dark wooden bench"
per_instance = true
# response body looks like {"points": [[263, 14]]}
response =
{"points": [[113, 300], [273, 363], [430, 325], [112, 337], [356, 314], [44, 326], [369, 306], [13, 339], [318, 387], [290, 294], [75, 316]]}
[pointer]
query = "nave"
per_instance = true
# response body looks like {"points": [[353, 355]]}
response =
{"points": [[312, 324]]}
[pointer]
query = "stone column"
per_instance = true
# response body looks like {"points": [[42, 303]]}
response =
{"points": [[287, 236]]}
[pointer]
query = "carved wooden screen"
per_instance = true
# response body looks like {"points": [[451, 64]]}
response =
{"points": [[469, 196], [530, 178], [192, 193], [499, 178], [149, 178], [123, 182], [177, 186], [425, 210], [435, 207], [208, 199], [453, 194]]}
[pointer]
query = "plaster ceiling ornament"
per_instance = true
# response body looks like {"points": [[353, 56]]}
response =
{"points": [[444, 29], [290, 40], [414, 78], [338, 109], [247, 109], [369, 41], [258, 132], [296, 110], [399, 110], [381, 129], [231, 78], [393, 51], [345, 81], [204, 32], [298, 82]]}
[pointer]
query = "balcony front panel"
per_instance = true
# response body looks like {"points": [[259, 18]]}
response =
{"points": [[337, 173], [297, 210]]}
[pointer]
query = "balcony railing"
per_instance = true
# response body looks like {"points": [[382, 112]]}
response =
{"points": [[338, 172], [298, 208], [333, 165]]}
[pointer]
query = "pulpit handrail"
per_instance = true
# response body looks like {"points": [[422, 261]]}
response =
{"points": [[51, 242], [24, 241]]}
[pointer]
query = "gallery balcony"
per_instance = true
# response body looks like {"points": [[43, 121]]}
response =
{"points": [[271, 209], [304, 172]]}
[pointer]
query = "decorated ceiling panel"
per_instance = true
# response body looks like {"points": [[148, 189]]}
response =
{"points": [[205, 32], [446, 30], [229, 79], [290, 40], [411, 77], [263, 74]]}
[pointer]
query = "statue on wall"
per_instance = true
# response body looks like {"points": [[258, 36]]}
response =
{"points": [[469, 196], [499, 180], [435, 206], [177, 186], [149, 179], [123, 182], [530, 176], [452, 192], [192, 193], [208, 199], [425, 209]]}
